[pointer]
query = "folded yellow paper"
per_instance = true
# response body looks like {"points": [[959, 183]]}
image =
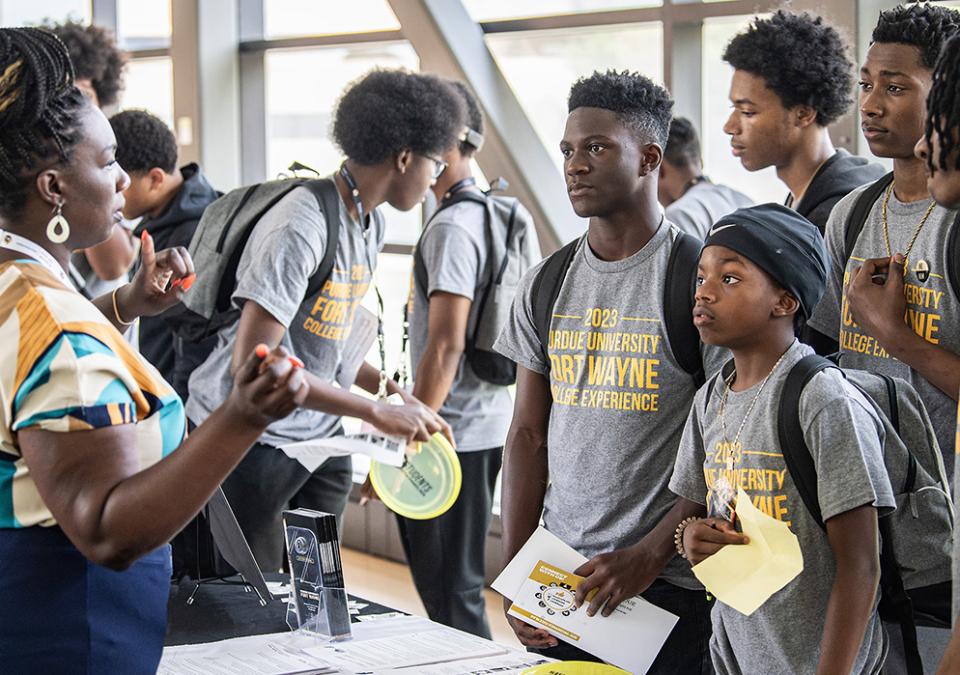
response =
{"points": [[745, 576]]}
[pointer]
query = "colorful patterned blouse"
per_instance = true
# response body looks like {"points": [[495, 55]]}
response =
{"points": [[64, 367]]}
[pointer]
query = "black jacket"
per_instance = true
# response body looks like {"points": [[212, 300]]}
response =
{"points": [[175, 227], [839, 176]]}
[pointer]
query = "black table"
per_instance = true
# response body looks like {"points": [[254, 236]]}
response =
{"points": [[225, 609]]}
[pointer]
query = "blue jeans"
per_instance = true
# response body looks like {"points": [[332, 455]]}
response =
{"points": [[687, 649]]}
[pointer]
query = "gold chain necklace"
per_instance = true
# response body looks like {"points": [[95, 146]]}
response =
{"points": [[753, 403], [886, 231]]}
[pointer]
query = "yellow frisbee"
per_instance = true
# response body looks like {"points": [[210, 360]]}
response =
{"points": [[573, 668], [427, 484]]}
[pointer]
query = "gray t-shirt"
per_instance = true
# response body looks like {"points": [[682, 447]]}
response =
{"points": [[702, 205], [454, 251], [283, 252], [620, 398], [932, 308], [846, 440]]}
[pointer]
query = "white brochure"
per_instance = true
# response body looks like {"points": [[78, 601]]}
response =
{"points": [[543, 596]]}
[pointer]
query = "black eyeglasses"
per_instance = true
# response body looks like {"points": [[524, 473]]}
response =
{"points": [[439, 166]]}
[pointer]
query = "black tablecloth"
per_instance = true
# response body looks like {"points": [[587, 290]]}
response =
{"points": [[226, 610]]}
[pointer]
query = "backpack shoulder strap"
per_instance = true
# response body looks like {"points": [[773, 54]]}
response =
{"points": [[508, 241], [420, 277], [546, 288], [325, 190], [678, 305], [796, 454], [858, 215], [953, 257]]}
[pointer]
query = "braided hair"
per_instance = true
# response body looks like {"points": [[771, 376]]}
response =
{"points": [[39, 108], [923, 25], [943, 106]]}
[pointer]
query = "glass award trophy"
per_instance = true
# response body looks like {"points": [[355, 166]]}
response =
{"points": [[318, 601]]}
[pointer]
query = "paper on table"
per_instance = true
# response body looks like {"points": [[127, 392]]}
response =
{"points": [[542, 545], [274, 654], [745, 576], [437, 645]]}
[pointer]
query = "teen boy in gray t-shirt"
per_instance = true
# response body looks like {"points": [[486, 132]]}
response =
{"points": [[758, 270], [907, 325], [596, 428]]}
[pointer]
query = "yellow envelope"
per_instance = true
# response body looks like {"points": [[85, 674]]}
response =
{"points": [[744, 577]]}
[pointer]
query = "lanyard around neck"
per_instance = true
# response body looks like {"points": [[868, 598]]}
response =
{"points": [[381, 340], [14, 242]]}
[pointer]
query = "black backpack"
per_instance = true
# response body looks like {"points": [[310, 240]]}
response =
{"points": [[858, 218], [219, 242], [512, 249], [915, 558], [682, 335]]}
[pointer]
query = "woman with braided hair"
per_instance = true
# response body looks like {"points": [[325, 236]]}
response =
{"points": [[96, 471]]}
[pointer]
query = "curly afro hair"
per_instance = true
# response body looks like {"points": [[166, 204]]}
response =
{"points": [[144, 142], [388, 111], [802, 59], [638, 102], [95, 57], [922, 25], [943, 106], [39, 110], [683, 144]]}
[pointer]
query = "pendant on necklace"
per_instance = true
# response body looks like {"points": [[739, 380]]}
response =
{"points": [[922, 271]]}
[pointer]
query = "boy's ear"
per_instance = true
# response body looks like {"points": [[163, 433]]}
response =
{"points": [[804, 115], [787, 305], [157, 176], [651, 159]]}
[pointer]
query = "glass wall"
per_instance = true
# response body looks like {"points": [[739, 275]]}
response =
{"points": [[541, 66], [492, 10], [149, 86], [31, 12], [288, 18], [718, 162]]}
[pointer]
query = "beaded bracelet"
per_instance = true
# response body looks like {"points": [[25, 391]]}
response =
{"points": [[678, 535]]}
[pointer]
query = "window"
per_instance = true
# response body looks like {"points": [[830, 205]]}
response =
{"points": [[31, 12], [149, 86], [144, 23], [719, 163], [492, 10], [302, 88], [541, 65], [287, 18]]}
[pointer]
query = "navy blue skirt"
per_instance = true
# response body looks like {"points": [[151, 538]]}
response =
{"points": [[60, 613]]}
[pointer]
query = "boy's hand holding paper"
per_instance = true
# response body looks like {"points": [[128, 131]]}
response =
{"points": [[745, 576], [544, 595]]}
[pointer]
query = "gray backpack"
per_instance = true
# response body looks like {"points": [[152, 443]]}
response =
{"points": [[220, 240], [917, 538], [513, 249]]}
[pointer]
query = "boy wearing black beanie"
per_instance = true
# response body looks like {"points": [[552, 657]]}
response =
{"points": [[760, 268]]}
